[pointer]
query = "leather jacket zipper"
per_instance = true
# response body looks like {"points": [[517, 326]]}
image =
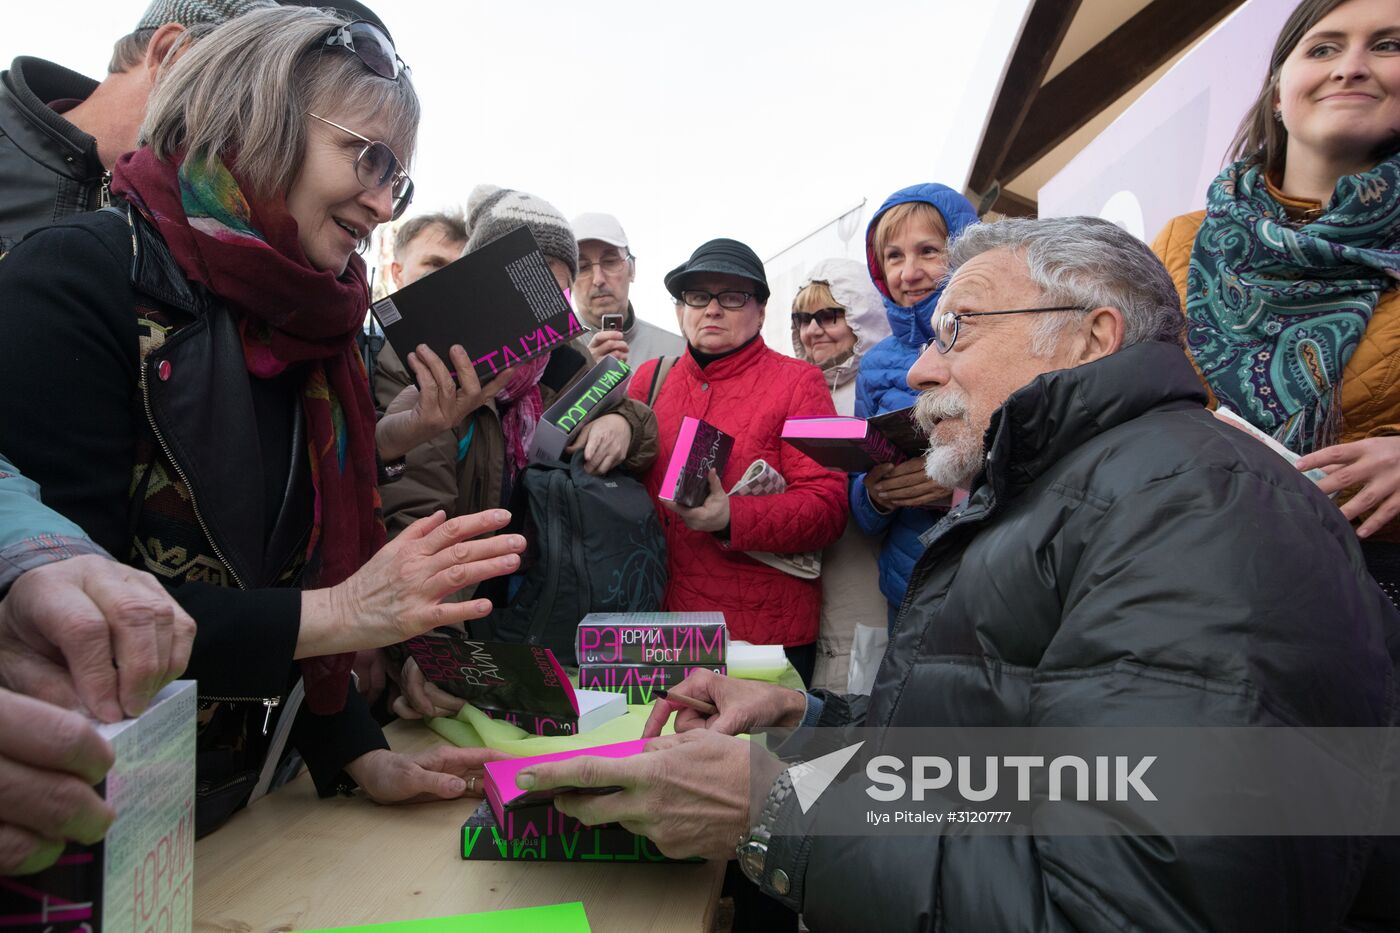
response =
{"points": [[104, 194], [270, 703], [194, 504]]}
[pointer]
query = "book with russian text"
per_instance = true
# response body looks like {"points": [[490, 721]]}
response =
{"points": [[639, 682], [855, 445], [543, 834], [520, 684], [599, 391], [700, 447], [500, 302], [140, 877], [652, 638]]}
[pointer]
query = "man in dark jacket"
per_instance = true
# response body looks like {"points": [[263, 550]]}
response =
{"points": [[1124, 559], [61, 132]]}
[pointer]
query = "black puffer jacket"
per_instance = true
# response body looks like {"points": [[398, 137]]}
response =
{"points": [[49, 168], [1125, 560]]}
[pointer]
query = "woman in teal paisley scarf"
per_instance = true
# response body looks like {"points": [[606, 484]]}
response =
{"points": [[1289, 292], [215, 424]]}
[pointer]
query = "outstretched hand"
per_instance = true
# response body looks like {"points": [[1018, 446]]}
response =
{"points": [[1374, 465]]}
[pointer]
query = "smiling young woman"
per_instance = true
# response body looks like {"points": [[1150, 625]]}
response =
{"points": [[1288, 277]]}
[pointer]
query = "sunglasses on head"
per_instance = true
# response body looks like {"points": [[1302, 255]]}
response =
{"points": [[377, 166], [824, 318], [371, 45]]}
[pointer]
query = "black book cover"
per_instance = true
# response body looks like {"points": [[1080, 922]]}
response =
{"points": [[902, 430], [500, 302], [522, 684], [700, 447]]}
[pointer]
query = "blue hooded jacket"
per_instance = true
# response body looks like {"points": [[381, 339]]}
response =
{"points": [[882, 386]]}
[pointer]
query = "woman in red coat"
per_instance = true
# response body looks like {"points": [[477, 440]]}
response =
{"points": [[730, 379]]}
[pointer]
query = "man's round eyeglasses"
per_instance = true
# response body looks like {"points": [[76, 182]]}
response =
{"points": [[611, 265], [945, 325], [824, 318], [730, 301], [377, 166]]}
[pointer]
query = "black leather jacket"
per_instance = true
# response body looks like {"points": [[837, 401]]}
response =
{"points": [[48, 167], [83, 401]]}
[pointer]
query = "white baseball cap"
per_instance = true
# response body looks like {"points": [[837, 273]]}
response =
{"points": [[602, 227]]}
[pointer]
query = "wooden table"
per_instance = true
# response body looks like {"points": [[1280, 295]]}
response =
{"points": [[292, 862]]}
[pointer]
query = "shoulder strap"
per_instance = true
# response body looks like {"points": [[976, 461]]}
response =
{"points": [[658, 378]]}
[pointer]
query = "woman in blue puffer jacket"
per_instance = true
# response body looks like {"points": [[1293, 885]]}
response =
{"points": [[905, 249]]}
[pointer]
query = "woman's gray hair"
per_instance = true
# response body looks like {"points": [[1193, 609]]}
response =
{"points": [[1087, 262], [246, 89]]}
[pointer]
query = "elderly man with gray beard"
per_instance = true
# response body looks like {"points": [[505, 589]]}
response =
{"points": [[1123, 559]]}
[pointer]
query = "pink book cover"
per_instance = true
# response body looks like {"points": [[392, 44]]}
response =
{"points": [[853, 445], [699, 448], [502, 791]]}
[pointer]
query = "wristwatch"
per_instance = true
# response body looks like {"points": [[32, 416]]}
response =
{"points": [[753, 850]]}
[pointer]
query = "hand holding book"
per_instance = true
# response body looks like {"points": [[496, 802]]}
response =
{"points": [[437, 403], [903, 486], [604, 442], [710, 515], [742, 706]]}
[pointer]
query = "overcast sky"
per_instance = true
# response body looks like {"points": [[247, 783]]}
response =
{"points": [[756, 119]]}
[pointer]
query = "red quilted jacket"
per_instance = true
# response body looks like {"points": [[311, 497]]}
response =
{"points": [[749, 395]]}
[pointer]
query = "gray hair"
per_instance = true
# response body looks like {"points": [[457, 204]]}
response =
{"points": [[1086, 262], [247, 88]]}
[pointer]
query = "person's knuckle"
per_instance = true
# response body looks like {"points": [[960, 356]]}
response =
{"points": [[57, 801], [587, 772]]}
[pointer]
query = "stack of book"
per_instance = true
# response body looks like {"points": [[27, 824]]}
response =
{"points": [[635, 653], [513, 824]]}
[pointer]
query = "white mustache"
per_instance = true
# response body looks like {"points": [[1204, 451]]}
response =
{"points": [[932, 408]]}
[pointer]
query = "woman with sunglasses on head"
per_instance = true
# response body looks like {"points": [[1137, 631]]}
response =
{"points": [[837, 317], [1288, 277], [905, 248], [180, 375]]}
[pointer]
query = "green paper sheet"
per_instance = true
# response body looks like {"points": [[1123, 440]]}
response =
{"points": [[474, 729], [555, 918]]}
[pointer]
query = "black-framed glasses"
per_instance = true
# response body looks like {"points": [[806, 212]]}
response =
{"points": [[730, 301], [945, 325], [611, 265], [824, 318], [371, 45], [377, 166]]}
